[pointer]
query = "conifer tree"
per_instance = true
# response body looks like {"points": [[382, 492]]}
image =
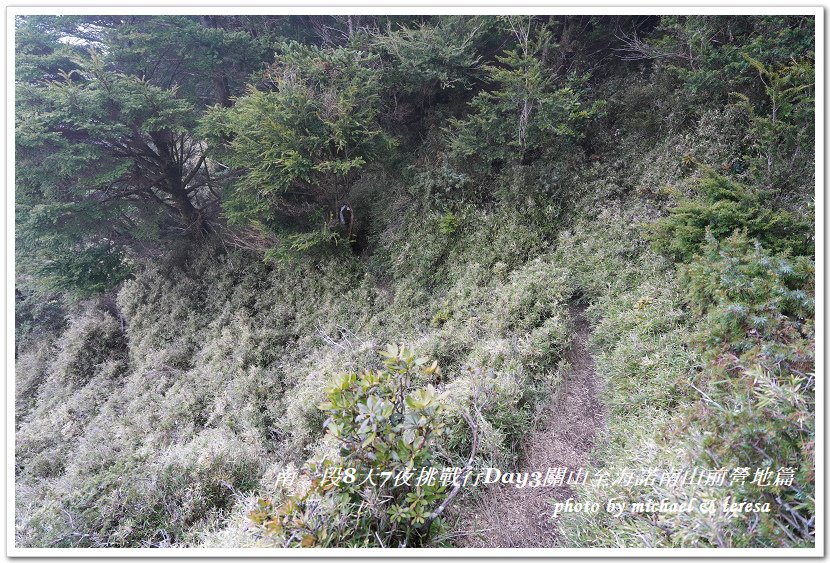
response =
{"points": [[106, 158], [302, 139]]}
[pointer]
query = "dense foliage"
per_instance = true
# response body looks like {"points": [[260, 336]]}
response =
{"points": [[195, 315], [526, 107], [304, 140], [383, 423], [108, 164], [757, 337], [718, 208]]}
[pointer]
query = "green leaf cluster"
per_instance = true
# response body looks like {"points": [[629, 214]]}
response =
{"points": [[382, 421]]}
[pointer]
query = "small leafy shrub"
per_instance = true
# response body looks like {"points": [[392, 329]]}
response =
{"points": [[380, 421], [443, 315], [448, 223], [722, 206], [757, 336]]}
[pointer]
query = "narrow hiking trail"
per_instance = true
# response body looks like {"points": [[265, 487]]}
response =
{"points": [[564, 436]]}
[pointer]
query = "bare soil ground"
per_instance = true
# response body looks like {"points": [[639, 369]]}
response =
{"points": [[564, 437]]}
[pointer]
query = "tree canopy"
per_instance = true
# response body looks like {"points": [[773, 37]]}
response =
{"points": [[137, 132]]}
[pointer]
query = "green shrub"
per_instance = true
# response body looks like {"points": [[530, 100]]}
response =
{"points": [[722, 206], [704, 55], [429, 58], [380, 421], [757, 335], [303, 141], [782, 127], [448, 223]]}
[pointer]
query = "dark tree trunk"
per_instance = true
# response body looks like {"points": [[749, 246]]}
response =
{"points": [[221, 89], [194, 220], [170, 159]]}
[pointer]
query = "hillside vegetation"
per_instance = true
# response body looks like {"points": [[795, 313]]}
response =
{"points": [[223, 221]]}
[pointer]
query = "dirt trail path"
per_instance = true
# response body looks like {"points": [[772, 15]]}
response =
{"points": [[564, 437]]}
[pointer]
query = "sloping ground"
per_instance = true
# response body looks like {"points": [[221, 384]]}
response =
{"points": [[565, 436]]}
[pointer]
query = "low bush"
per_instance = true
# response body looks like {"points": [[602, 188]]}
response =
{"points": [[757, 337], [722, 206], [381, 423]]}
